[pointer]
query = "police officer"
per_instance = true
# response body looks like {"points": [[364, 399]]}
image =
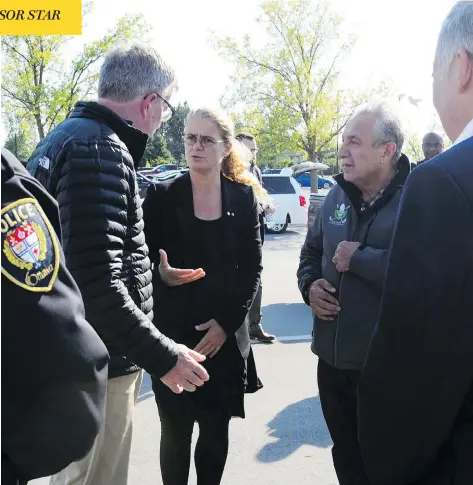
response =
{"points": [[54, 365]]}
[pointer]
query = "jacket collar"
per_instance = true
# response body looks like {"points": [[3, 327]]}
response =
{"points": [[354, 193], [134, 139]]}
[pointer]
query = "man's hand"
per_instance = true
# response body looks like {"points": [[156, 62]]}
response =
{"points": [[323, 304], [187, 373], [174, 276], [213, 340], [343, 255]]}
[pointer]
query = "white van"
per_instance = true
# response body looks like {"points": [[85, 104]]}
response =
{"points": [[289, 200]]}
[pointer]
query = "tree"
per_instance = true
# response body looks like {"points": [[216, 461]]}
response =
{"points": [[19, 144], [173, 132], [413, 148], [272, 135], [38, 84], [289, 87], [21, 139], [156, 152]]}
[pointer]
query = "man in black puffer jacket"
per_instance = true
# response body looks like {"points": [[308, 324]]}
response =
{"points": [[88, 164], [342, 269]]}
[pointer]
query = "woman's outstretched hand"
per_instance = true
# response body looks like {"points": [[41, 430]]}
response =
{"points": [[175, 276]]}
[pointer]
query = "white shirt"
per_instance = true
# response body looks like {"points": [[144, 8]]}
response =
{"points": [[465, 134]]}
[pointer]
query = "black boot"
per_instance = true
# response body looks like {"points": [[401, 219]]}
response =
{"points": [[257, 333]]}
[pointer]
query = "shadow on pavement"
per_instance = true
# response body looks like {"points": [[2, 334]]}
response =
{"points": [[288, 233], [146, 390], [301, 423], [287, 319]]}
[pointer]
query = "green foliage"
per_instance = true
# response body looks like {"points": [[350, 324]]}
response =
{"points": [[20, 145], [173, 132], [289, 87], [283, 162], [21, 139], [156, 151], [42, 86], [413, 148], [157, 161]]}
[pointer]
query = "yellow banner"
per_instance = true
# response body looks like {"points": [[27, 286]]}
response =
{"points": [[40, 17]]}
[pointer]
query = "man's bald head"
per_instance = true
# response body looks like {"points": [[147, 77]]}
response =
{"points": [[432, 145]]}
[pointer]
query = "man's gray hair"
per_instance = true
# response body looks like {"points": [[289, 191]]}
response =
{"points": [[456, 34], [134, 70], [387, 128]]}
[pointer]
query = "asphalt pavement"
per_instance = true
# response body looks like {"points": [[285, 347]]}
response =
{"points": [[283, 439]]}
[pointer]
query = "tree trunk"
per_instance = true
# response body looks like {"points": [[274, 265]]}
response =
{"points": [[39, 126], [314, 181], [314, 174]]}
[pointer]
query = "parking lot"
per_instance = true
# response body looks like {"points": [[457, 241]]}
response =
{"points": [[283, 438]]}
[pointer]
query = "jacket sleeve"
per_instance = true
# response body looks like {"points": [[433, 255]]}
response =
{"points": [[370, 264], [94, 205], [407, 403], [310, 264], [153, 220], [249, 262], [152, 217]]}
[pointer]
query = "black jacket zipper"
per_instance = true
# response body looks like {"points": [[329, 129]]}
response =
{"points": [[335, 345]]}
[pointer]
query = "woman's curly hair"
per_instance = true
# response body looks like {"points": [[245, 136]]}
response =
{"points": [[234, 165]]}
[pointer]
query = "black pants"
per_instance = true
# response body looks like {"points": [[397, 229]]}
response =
{"points": [[254, 315], [176, 435], [338, 397]]}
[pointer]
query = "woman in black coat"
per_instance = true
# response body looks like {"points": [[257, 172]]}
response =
{"points": [[206, 220]]}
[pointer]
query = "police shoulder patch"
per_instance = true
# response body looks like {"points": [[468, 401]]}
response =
{"points": [[30, 250]]}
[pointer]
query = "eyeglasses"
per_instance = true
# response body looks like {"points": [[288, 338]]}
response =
{"points": [[206, 141], [433, 145], [169, 111]]}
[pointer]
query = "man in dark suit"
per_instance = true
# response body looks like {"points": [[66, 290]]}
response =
{"points": [[416, 389], [256, 328]]}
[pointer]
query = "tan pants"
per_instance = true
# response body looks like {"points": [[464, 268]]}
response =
{"points": [[108, 460]]}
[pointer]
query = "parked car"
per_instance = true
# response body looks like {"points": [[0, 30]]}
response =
{"points": [[290, 202], [167, 168], [168, 175], [272, 171], [158, 169], [315, 204], [143, 183], [323, 182]]}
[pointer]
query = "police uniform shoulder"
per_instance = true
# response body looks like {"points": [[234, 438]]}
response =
{"points": [[11, 165], [29, 245]]}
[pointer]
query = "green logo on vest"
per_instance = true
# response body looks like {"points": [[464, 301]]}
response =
{"points": [[339, 215]]}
